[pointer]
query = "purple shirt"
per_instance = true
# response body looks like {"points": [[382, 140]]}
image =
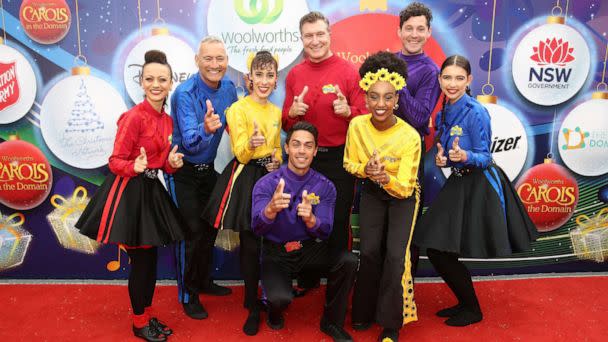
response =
{"points": [[418, 99], [287, 225]]}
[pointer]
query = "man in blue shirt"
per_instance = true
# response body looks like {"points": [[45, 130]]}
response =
{"points": [[197, 109]]}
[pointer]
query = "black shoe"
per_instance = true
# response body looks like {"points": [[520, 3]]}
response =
{"points": [[464, 317], [389, 335], [160, 326], [252, 324], [275, 320], [149, 333], [451, 311], [194, 309], [336, 332], [361, 326], [214, 289]]}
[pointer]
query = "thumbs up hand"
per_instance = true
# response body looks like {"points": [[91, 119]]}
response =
{"points": [[211, 121], [305, 210], [257, 139], [175, 158], [456, 154], [274, 164], [298, 107], [440, 159], [141, 162], [341, 107]]}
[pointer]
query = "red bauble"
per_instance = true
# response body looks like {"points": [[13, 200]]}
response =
{"points": [[25, 175], [47, 21], [549, 194]]}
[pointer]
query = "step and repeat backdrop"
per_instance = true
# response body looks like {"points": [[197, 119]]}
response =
{"points": [[68, 69]]}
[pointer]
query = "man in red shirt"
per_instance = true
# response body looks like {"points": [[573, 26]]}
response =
{"points": [[324, 90]]}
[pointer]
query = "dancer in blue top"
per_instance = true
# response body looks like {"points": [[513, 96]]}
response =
{"points": [[197, 109], [477, 213]]}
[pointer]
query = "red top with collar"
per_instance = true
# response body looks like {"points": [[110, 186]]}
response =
{"points": [[141, 126], [319, 77]]}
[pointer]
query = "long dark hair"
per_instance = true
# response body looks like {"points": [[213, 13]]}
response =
{"points": [[462, 62]]}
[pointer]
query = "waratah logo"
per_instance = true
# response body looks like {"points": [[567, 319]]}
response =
{"points": [[553, 51], [261, 14]]}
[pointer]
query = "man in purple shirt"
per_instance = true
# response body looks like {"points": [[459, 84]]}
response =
{"points": [[418, 99], [293, 208]]}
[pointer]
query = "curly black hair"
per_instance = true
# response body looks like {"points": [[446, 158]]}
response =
{"points": [[384, 59], [415, 9], [262, 60]]}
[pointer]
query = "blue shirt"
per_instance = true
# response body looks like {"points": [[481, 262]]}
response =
{"points": [[287, 225], [469, 120], [188, 110]]}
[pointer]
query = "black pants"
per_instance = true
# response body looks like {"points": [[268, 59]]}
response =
{"points": [[280, 266], [249, 257], [456, 275], [190, 189], [142, 278], [384, 286]]}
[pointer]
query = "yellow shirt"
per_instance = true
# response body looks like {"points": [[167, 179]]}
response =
{"points": [[240, 117], [398, 149]]}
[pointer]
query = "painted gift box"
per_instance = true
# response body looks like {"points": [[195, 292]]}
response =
{"points": [[590, 238]]}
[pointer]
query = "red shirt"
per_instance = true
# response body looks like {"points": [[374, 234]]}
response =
{"points": [[319, 77], [141, 126]]}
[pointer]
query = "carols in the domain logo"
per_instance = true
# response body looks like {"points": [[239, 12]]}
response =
{"points": [[46, 21], [551, 56]]}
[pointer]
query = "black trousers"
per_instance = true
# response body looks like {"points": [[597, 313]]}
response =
{"points": [[142, 278], [456, 275], [384, 286], [190, 189], [249, 257], [279, 267]]}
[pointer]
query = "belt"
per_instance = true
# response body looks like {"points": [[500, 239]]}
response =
{"points": [[261, 161], [202, 167], [459, 172], [151, 173]]}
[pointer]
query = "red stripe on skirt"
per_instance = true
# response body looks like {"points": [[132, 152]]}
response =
{"points": [[120, 192], [106, 210], [220, 212]]}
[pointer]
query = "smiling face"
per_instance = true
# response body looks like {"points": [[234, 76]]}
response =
{"points": [[316, 40], [264, 80], [454, 81], [380, 99], [413, 34], [156, 82], [212, 62], [301, 149]]}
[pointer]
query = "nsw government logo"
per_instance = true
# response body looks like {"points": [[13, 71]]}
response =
{"points": [[551, 64], [248, 26]]}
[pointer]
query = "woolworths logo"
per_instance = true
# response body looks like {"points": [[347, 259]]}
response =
{"points": [[258, 12]]}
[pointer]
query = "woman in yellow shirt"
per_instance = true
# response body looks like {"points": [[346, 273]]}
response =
{"points": [[384, 150], [254, 125]]}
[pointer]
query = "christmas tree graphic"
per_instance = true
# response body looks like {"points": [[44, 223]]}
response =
{"points": [[83, 117]]}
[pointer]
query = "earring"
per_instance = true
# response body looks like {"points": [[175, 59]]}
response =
{"points": [[396, 106], [250, 84]]}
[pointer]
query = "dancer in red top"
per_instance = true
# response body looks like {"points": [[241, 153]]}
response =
{"points": [[131, 207]]}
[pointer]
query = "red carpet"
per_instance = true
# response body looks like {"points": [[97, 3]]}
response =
{"points": [[554, 309]]}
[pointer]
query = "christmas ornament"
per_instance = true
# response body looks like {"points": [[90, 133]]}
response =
{"points": [[272, 26], [78, 119], [14, 240], [551, 63], [63, 218], [590, 238], [583, 137], [25, 174], [549, 194], [17, 84], [46, 22], [179, 55]]}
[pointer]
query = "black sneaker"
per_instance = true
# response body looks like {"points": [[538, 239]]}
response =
{"points": [[149, 333], [451, 311], [160, 326], [275, 320], [389, 335], [214, 289], [337, 333], [194, 309]]}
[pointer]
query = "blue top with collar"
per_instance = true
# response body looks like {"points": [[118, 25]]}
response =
{"points": [[469, 120], [188, 110]]}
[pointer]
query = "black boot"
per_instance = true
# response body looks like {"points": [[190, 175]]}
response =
{"points": [[465, 317], [194, 309], [252, 324], [451, 311]]}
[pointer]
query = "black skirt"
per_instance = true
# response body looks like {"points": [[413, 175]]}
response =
{"points": [[134, 211], [477, 215], [229, 206]]}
